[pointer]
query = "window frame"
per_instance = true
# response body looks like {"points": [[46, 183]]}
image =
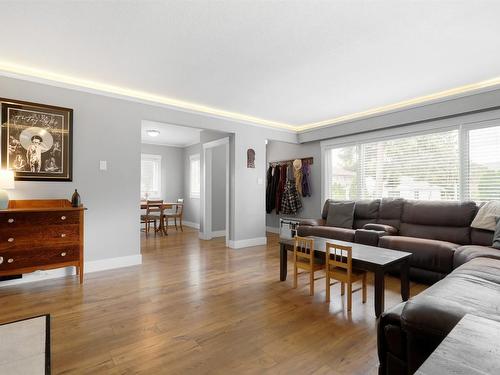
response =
{"points": [[463, 124], [156, 159], [194, 158]]}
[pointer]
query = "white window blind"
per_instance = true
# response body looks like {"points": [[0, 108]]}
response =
{"points": [[483, 179], [425, 167], [150, 176], [194, 176]]}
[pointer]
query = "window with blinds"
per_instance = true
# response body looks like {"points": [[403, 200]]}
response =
{"points": [[150, 176], [425, 167], [483, 178], [194, 176]]}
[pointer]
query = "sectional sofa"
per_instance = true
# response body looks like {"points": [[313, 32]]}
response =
{"points": [[458, 259], [437, 233]]}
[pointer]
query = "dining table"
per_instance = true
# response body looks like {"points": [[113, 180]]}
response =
{"points": [[166, 206]]}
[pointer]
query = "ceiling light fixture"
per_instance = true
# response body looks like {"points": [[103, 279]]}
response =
{"points": [[153, 132]]}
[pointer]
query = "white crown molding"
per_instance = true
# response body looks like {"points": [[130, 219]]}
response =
{"points": [[73, 83]]}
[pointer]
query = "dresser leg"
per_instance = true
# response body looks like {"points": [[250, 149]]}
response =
{"points": [[80, 272]]}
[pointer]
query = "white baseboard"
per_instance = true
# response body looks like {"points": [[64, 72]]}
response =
{"points": [[273, 230], [89, 267], [239, 244], [191, 224], [218, 233]]}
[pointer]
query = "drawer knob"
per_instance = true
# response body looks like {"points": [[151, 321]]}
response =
{"points": [[1, 260], [11, 239], [63, 235], [63, 254], [10, 221], [63, 217], [10, 260]]}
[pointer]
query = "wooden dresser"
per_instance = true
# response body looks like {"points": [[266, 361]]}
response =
{"points": [[41, 235]]}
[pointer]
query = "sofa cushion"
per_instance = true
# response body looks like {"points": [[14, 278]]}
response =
{"points": [[427, 254], [390, 211], [450, 234], [486, 216], [481, 237], [340, 215], [439, 213], [365, 212], [496, 235], [466, 253], [472, 288], [342, 234]]}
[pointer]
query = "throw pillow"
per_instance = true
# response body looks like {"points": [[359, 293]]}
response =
{"points": [[496, 236], [485, 218], [340, 214]]}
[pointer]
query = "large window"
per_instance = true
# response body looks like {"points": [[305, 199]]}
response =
{"points": [[455, 164], [484, 164], [194, 176], [150, 176]]}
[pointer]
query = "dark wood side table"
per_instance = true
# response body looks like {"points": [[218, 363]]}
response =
{"points": [[471, 348], [369, 258]]}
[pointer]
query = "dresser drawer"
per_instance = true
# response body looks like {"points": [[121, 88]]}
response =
{"points": [[23, 219], [10, 260], [38, 235]]}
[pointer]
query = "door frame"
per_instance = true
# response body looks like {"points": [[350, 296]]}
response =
{"points": [[206, 211]]}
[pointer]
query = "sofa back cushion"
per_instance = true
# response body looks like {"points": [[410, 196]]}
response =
{"points": [[438, 220], [340, 215], [481, 237], [390, 211], [365, 212]]}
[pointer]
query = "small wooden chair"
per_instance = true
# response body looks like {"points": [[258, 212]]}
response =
{"points": [[154, 213], [338, 263], [303, 258], [179, 209]]}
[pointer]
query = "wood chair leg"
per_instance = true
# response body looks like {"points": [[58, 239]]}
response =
{"points": [[349, 296], [327, 290], [180, 222], [175, 222], [154, 227], [311, 281], [80, 272], [295, 275], [146, 228], [364, 288], [342, 289]]}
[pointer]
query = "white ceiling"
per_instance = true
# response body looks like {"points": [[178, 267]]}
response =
{"points": [[170, 135], [292, 62]]}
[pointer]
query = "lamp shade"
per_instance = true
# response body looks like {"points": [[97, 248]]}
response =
{"points": [[6, 179]]}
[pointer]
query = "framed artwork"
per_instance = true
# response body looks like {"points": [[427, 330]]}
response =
{"points": [[250, 158], [37, 141]]}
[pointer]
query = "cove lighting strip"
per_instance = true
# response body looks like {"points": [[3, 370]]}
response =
{"points": [[37, 75]]}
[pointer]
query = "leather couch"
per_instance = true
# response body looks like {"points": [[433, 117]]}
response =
{"points": [[437, 233]]}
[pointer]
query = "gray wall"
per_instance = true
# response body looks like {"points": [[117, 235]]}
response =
{"points": [[172, 170], [219, 188], [191, 205], [277, 151]]}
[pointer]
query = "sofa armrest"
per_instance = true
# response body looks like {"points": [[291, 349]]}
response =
{"points": [[312, 222], [391, 342], [368, 237], [381, 227]]}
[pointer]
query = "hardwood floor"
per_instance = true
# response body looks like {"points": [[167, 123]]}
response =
{"points": [[196, 307]]}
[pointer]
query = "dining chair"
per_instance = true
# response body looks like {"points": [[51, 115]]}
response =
{"points": [[303, 258], [154, 213], [338, 263], [177, 214]]}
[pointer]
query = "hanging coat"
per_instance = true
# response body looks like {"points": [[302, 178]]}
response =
{"points": [[269, 183], [291, 201], [297, 172], [306, 180], [280, 189]]}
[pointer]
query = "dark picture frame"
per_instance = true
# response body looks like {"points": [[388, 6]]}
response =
{"points": [[36, 140]]}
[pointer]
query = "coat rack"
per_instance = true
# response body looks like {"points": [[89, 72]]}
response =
{"points": [[308, 160]]}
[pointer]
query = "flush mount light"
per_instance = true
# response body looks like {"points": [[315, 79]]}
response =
{"points": [[153, 133]]}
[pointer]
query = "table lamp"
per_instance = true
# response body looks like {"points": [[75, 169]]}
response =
{"points": [[6, 182]]}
